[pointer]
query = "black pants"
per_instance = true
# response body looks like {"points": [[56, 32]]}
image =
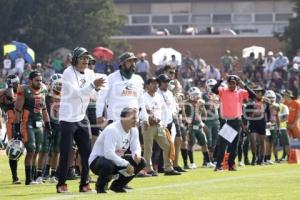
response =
{"points": [[80, 132], [232, 147], [105, 169]]}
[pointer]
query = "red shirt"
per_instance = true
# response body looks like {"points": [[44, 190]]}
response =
{"points": [[232, 102]]}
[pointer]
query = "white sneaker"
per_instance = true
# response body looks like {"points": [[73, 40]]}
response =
{"points": [[241, 164], [210, 165], [39, 180], [33, 183], [193, 166], [53, 179], [269, 162]]}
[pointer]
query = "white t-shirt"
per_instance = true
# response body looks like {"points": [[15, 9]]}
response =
{"points": [[170, 109], [155, 104], [113, 143], [19, 63], [6, 63], [122, 93], [76, 93], [297, 60]]}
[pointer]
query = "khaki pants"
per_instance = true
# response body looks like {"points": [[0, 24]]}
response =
{"points": [[148, 136]]}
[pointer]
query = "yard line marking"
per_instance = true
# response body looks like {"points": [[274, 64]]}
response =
{"points": [[175, 185]]}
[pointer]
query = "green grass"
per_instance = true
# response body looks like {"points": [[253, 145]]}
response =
{"points": [[280, 181]]}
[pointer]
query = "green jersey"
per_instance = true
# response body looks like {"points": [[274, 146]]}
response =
{"points": [[34, 102]]}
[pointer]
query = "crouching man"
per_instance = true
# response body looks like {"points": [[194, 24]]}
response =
{"points": [[108, 158]]}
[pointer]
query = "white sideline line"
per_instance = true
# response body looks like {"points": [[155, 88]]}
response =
{"points": [[176, 185]]}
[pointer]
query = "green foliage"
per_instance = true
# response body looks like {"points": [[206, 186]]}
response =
{"points": [[292, 32], [48, 25]]}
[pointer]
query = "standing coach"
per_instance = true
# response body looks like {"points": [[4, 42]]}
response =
{"points": [[231, 102], [77, 84]]}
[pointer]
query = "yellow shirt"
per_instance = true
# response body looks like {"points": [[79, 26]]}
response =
{"points": [[283, 110]]}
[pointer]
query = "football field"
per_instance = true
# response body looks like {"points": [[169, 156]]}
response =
{"points": [[279, 181]]}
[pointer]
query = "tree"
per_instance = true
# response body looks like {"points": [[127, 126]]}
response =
{"points": [[292, 32], [48, 25]]}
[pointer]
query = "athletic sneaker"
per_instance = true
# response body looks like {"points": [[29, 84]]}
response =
{"points": [[179, 169], [152, 173], [209, 165], [232, 168], [172, 173], [269, 162], [16, 181], [241, 164], [39, 180], [30, 182], [193, 166], [218, 169], [62, 188], [283, 159], [186, 167], [53, 179]]}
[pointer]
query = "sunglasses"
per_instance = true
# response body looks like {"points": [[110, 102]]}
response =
{"points": [[92, 63]]}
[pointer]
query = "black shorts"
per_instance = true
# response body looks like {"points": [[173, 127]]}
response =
{"points": [[91, 114], [258, 126]]}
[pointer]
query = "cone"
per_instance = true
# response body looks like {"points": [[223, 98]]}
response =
{"points": [[225, 160], [294, 156]]}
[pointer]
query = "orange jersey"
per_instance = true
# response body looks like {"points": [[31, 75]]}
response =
{"points": [[294, 108]]}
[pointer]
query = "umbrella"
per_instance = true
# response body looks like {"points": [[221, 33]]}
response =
{"points": [[18, 48], [158, 55], [255, 49], [103, 53]]}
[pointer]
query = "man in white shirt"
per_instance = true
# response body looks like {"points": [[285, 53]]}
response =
{"points": [[170, 109], [154, 105], [78, 82], [125, 89], [108, 156], [296, 59], [143, 67], [6, 65], [19, 65]]}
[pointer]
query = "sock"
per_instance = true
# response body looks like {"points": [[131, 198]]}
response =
{"points": [[33, 172], [184, 156], [206, 157], [284, 154], [46, 170], [276, 157], [215, 154], [13, 167], [39, 172], [77, 170], [53, 172], [246, 156], [191, 156], [28, 170], [253, 156]]}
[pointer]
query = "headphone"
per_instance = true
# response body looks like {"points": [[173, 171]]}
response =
{"points": [[76, 52], [74, 58]]}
